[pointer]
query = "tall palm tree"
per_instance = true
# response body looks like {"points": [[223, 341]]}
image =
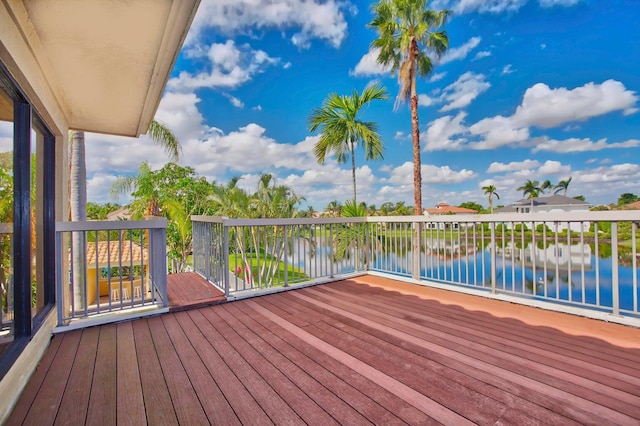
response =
{"points": [[546, 185], [531, 189], [563, 185], [491, 191], [408, 32], [158, 132], [343, 130]]}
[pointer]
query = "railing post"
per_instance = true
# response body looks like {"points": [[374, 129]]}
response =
{"points": [[368, 247], [60, 299], [157, 245], [331, 258], [415, 263], [615, 290], [493, 257], [286, 258], [225, 258]]}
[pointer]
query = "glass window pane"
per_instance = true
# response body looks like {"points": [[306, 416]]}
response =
{"points": [[6, 219]]}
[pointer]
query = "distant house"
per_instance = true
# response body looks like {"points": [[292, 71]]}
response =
{"points": [[102, 256], [631, 206], [551, 204], [122, 213], [445, 209]]}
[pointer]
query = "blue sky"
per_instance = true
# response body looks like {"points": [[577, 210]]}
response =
{"points": [[530, 89]]}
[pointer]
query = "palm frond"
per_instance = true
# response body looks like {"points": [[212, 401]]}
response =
{"points": [[162, 135]]}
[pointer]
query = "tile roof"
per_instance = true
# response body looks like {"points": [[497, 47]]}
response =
{"points": [[444, 208], [553, 200], [114, 253]]}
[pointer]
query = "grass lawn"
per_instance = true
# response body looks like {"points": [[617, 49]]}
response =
{"points": [[293, 274]]}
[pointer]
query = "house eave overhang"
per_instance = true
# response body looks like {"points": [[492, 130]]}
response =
{"points": [[106, 63]]}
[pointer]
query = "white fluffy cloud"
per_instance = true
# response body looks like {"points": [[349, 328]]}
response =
{"points": [[553, 168], [304, 19], [229, 66], [368, 65], [626, 173], [482, 6], [497, 131], [458, 94], [461, 52], [551, 3], [580, 145], [440, 134], [545, 107], [495, 6], [403, 174], [541, 107], [497, 167], [463, 91], [482, 54]]}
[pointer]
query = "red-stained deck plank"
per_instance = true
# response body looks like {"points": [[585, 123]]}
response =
{"points": [[274, 404], [102, 401], [31, 390], [185, 400], [75, 401], [215, 405], [367, 350], [367, 397], [524, 372], [258, 339], [157, 401], [556, 356], [130, 402], [195, 327], [47, 401], [189, 290]]}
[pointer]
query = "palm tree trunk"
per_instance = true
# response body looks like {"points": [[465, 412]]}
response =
{"points": [[415, 132], [78, 210], [353, 170]]}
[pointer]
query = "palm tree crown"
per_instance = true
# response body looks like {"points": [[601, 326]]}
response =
{"points": [[563, 185], [531, 189], [491, 190], [342, 130], [407, 31], [546, 185]]}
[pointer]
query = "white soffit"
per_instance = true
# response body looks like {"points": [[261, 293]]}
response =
{"points": [[107, 61]]}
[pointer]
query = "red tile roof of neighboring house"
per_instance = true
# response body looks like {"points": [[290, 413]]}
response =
{"points": [[125, 253], [632, 206], [444, 208]]}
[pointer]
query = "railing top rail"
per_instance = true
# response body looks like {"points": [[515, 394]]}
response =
{"points": [[583, 216], [278, 222], [111, 225], [210, 219]]}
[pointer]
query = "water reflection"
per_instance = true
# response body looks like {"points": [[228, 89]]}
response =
{"points": [[563, 272]]}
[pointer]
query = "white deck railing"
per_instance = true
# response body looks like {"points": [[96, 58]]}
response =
{"points": [[573, 260], [109, 266]]}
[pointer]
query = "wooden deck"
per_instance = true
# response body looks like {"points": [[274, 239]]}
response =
{"points": [[189, 290], [353, 352]]}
